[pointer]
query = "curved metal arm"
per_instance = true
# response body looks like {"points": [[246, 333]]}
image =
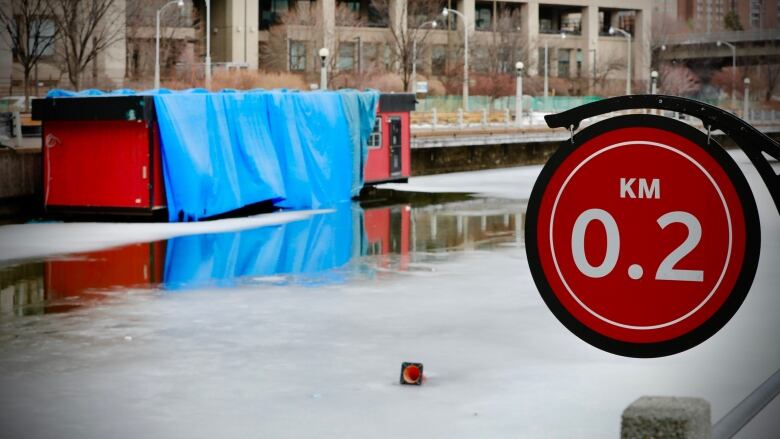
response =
{"points": [[747, 137]]}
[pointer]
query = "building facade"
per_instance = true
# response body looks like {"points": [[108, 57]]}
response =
{"points": [[713, 15], [286, 35]]}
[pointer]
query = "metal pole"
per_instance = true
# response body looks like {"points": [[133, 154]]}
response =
{"points": [[360, 55], [208, 44], [519, 98], [745, 114], [414, 65], [157, 42], [733, 76], [519, 101], [545, 72], [628, 70], [466, 65], [323, 76], [157, 52]]}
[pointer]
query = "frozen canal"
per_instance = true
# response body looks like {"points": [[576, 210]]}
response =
{"points": [[295, 325]]}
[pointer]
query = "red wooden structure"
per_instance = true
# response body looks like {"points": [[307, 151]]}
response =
{"points": [[389, 147], [102, 154]]}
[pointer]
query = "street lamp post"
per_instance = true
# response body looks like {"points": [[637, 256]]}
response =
{"points": [[414, 54], [519, 93], [179, 3], [208, 44], [653, 81], [444, 12], [745, 114], [546, 65], [612, 30], [324, 53], [733, 70]]}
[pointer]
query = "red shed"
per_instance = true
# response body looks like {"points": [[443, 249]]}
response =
{"points": [[389, 147], [102, 154]]}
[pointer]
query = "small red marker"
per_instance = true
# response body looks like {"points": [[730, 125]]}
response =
{"points": [[411, 374]]}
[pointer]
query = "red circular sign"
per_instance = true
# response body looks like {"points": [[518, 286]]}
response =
{"points": [[642, 236]]}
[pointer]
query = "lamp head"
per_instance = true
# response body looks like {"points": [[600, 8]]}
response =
{"points": [[663, 46], [519, 66], [324, 52], [434, 24], [654, 74], [747, 81], [563, 36], [718, 43], [180, 3], [611, 30], [445, 12]]}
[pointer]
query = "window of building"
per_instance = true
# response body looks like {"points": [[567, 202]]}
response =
{"points": [[376, 18], [43, 30], [755, 14], [353, 5], [563, 62], [571, 23], [626, 20], [375, 139], [271, 11], [483, 16], [505, 64], [370, 51], [438, 60], [579, 63], [481, 59], [389, 57], [346, 58], [297, 56]]}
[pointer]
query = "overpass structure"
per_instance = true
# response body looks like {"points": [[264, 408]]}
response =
{"points": [[752, 47]]}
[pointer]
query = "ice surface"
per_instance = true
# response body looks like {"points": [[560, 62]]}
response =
{"points": [[511, 183], [290, 361], [25, 241]]}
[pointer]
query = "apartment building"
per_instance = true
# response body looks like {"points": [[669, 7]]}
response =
{"points": [[710, 15], [286, 35]]}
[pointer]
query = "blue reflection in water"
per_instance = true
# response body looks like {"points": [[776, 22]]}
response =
{"points": [[311, 246]]}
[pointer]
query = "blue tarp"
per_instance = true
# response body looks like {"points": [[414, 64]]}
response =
{"points": [[311, 247], [223, 151]]}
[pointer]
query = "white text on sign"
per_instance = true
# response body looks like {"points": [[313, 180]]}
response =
{"points": [[653, 190]]}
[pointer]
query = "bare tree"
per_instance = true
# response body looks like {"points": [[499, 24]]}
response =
{"points": [[607, 64], [275, 56], [497, 56], [677, 80], [31, 33], [140, 19], [86, 29], [402, 38]]}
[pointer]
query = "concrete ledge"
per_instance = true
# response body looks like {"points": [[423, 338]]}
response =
{"points": [[666, 417]]}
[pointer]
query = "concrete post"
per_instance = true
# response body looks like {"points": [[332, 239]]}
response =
{"points": [[328, 20], [460, 118], [435, 118], [660, 416], [590, 34], [484, 117], [529, 26], [507, 117]]}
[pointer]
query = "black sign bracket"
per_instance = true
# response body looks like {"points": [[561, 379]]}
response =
{"points": [[746, 136]]}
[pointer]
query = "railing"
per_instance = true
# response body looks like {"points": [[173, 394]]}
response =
{"points": [[550, 104], [730, 36], [484, 118]]}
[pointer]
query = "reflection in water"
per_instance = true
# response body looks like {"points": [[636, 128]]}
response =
{"points": [[327, 248]]}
